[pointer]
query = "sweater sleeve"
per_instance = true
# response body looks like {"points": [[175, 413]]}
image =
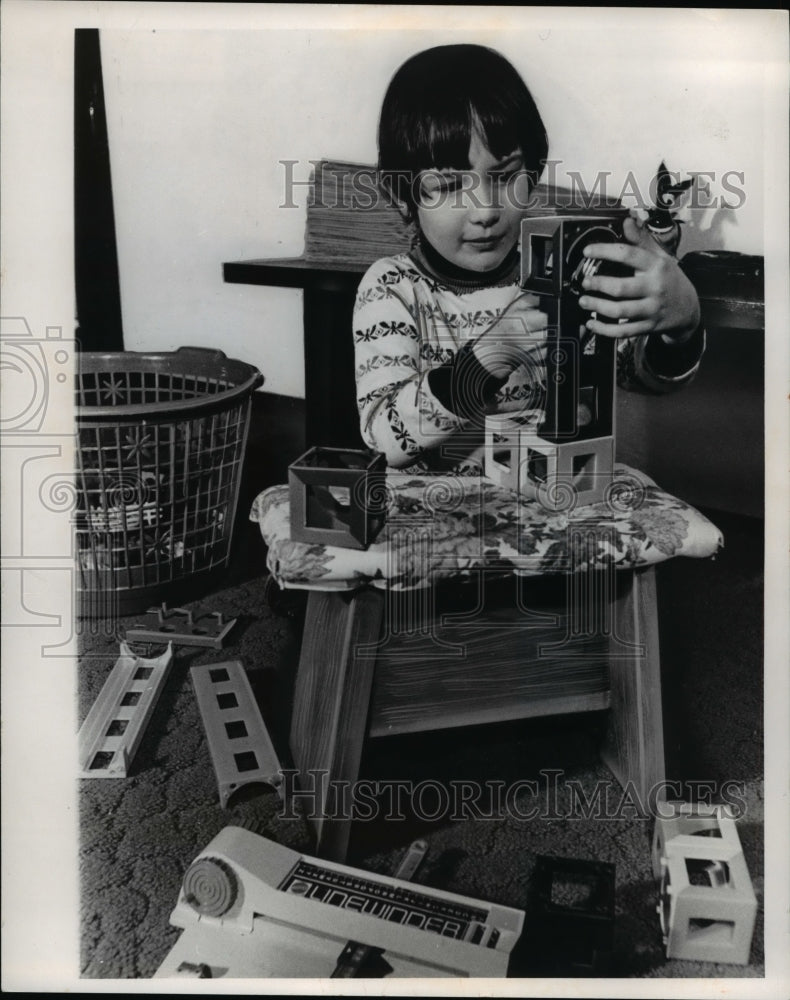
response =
{"points": [[400, 413]]}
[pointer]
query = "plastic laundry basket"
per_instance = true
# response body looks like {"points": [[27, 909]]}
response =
{"points": [[161, 441]]}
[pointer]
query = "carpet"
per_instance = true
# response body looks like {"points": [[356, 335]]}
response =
{"points": [[139, 834]]}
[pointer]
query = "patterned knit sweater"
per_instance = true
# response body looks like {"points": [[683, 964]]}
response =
{"points": [[411, 322]]}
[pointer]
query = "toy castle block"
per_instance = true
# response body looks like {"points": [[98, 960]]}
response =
{"points": [[337, 497], [570, 920], [707, 905], [560, 475]]}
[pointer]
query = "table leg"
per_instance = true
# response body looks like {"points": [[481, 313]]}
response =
{"points": [[331, 705], [331, 416], [634, 746]]}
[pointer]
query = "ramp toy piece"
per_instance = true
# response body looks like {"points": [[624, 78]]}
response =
{"points": [[251, 908], [182, 627], [111, 733], [707, 905], [241, 749]]}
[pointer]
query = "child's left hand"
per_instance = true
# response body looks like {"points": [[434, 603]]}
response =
{"points": [[658, 298]]}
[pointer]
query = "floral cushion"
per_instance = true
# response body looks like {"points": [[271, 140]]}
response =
{"points": [[443, 526]]}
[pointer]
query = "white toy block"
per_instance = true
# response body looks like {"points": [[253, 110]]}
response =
{"points": [[560, 475], [694, 827], [707, 905], [502, 440]]}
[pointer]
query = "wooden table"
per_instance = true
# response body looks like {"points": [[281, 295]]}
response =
{"points": [[331, 416]]}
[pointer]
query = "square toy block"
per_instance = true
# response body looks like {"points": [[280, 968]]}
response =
{"points": [[711, 922], [707, 905], [501, 450], [571, 917], [696, 829], [561, 476], [337, 497]]}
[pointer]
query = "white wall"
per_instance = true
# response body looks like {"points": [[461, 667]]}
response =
{"points": [[199, 120]]}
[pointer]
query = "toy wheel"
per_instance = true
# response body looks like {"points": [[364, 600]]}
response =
{"points": [[210, 887], [284, 603]]}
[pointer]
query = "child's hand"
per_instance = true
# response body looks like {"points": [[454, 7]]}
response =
{"points": [[658, 298], [515, 338]]}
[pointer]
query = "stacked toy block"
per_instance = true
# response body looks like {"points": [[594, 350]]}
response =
{"points": [[707, 904]]}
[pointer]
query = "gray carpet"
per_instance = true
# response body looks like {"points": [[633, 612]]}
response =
{"points": [[138, 835]]}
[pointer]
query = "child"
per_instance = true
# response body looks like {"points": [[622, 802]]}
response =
{"points": [[443, 334]]}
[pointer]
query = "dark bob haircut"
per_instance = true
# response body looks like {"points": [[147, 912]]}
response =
{"points": [[432, 105]]}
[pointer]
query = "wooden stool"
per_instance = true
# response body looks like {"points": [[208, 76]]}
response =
{"points": [[363, 674]]}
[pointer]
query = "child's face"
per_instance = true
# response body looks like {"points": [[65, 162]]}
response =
{"points": [[472, 217]]}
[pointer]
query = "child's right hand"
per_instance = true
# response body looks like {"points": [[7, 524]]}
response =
{"points": [[658, 298]]}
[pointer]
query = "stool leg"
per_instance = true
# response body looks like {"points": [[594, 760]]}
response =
{"points": [[634, 746], [331, 703]]}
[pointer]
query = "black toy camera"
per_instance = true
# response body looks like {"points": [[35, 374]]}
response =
{"points": [[580, 367]]}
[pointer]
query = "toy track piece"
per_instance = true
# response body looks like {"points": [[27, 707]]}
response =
{"points": [[182, 627], [111, 733], [239, 743], [210, 887]]}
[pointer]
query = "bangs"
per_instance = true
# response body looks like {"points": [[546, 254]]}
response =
{"points": [[445, 146]]}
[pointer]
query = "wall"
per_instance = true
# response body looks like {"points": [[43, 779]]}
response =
{"points": [[199, 120]]}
